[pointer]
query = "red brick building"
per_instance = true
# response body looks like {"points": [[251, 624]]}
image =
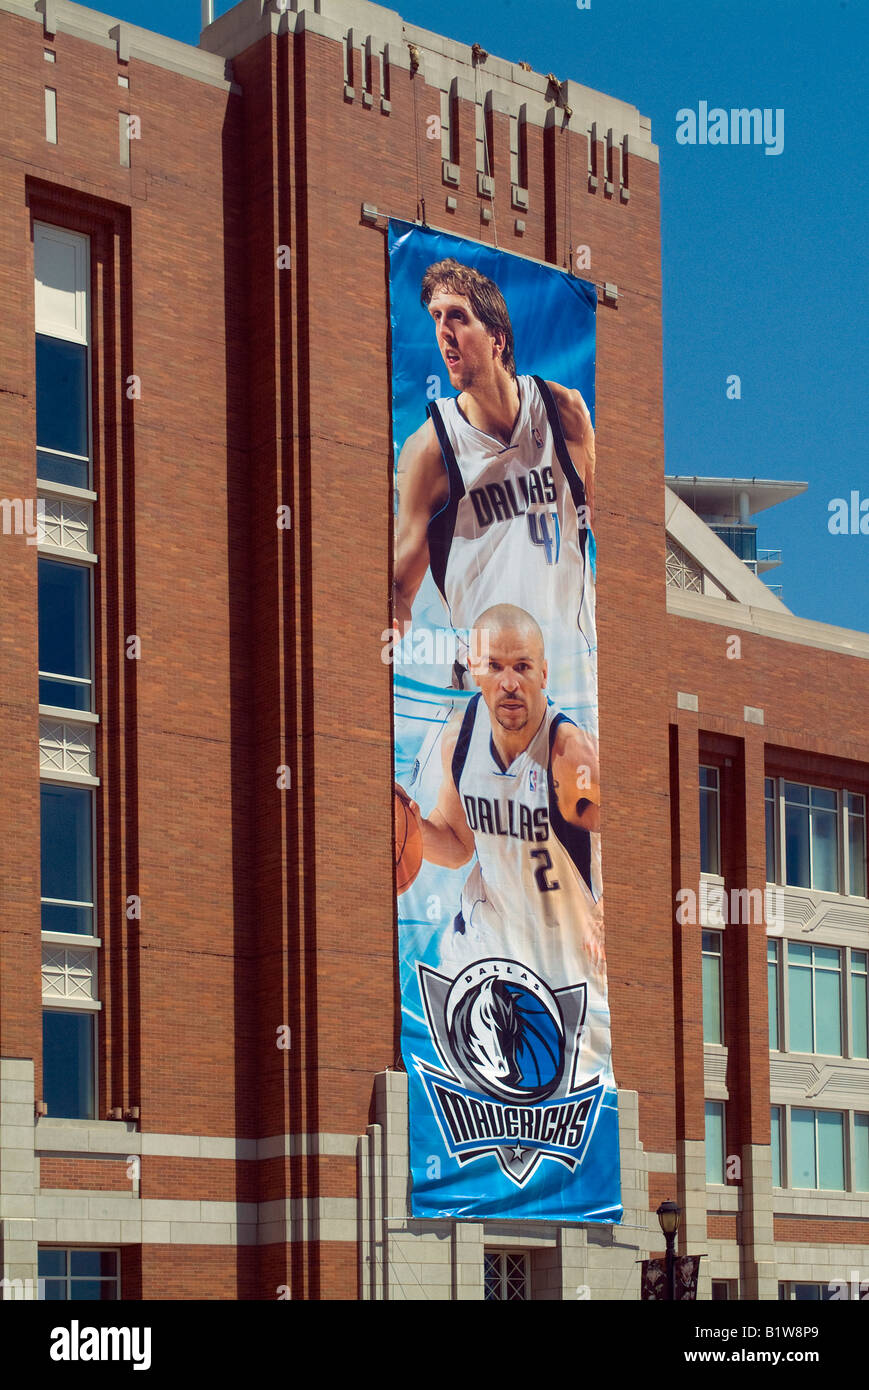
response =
{"points": [[201, 1093]]}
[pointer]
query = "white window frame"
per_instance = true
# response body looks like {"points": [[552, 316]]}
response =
{"points": [[846, 1004], [842, 827], [850, 1173]]}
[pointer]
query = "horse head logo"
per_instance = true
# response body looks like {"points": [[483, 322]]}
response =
{"points": [[506, 1040], [486, 1031]]}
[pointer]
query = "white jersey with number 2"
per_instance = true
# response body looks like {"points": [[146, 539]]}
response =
{"points": [[531, 895]]}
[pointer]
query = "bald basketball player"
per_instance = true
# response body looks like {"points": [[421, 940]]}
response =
{"points": [[520, 789], [496, 488]]}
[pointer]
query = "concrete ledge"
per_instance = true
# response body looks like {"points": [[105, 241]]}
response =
{"points": [[781, 625]]}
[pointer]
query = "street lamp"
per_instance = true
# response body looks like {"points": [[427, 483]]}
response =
{"points": [[668, 1214]]}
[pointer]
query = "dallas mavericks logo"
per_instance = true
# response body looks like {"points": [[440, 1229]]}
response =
{"points": [[510, 1048], [502, 1033]]}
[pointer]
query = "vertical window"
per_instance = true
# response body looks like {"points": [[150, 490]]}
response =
{"points": [[818, 1149], [861, 1153], [67, 858], [773, 993], [713, 1031], [64, 634], [855, 810], [68, 1063], [775, 1127], [831, 1150], [79, 1275], [769, 800], [63, 459], [811, 837], [62, 268], [710, 836], [859, 1004], [723, 1289], [715, 1141], [803, 1156], [505, 1276], [814, 998]]}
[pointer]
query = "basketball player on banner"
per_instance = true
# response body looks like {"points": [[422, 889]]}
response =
{"points": [[497, 486], [520, 790]]}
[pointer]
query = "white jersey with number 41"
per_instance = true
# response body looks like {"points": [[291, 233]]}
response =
{"points": [[514, 527]]}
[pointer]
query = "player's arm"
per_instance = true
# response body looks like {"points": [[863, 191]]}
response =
{"points": [[579, 434], [576, 775], [422, 487], [447, 839]]}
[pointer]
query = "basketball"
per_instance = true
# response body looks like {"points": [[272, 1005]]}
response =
{"points": [[408, 843]]}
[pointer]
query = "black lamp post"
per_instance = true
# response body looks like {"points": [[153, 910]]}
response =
{"points": [[668, 1214]]}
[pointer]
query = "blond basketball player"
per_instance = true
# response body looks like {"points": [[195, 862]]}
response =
{"points": [[496, 488]]}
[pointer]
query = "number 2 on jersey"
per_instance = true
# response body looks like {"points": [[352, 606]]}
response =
{"points": [[540, 872], [538, 527]]}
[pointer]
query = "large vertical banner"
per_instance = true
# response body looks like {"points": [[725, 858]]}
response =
{"points": [[505, 1022]]}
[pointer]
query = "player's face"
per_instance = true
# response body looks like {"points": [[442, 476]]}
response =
{"points": [[512, 676], [467, 346]]}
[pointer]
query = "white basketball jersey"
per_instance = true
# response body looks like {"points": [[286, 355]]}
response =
{"points": [[529, 895], [511, 530]]}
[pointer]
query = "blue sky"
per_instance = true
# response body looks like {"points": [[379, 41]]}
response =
{"points": [[764, 256]]}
